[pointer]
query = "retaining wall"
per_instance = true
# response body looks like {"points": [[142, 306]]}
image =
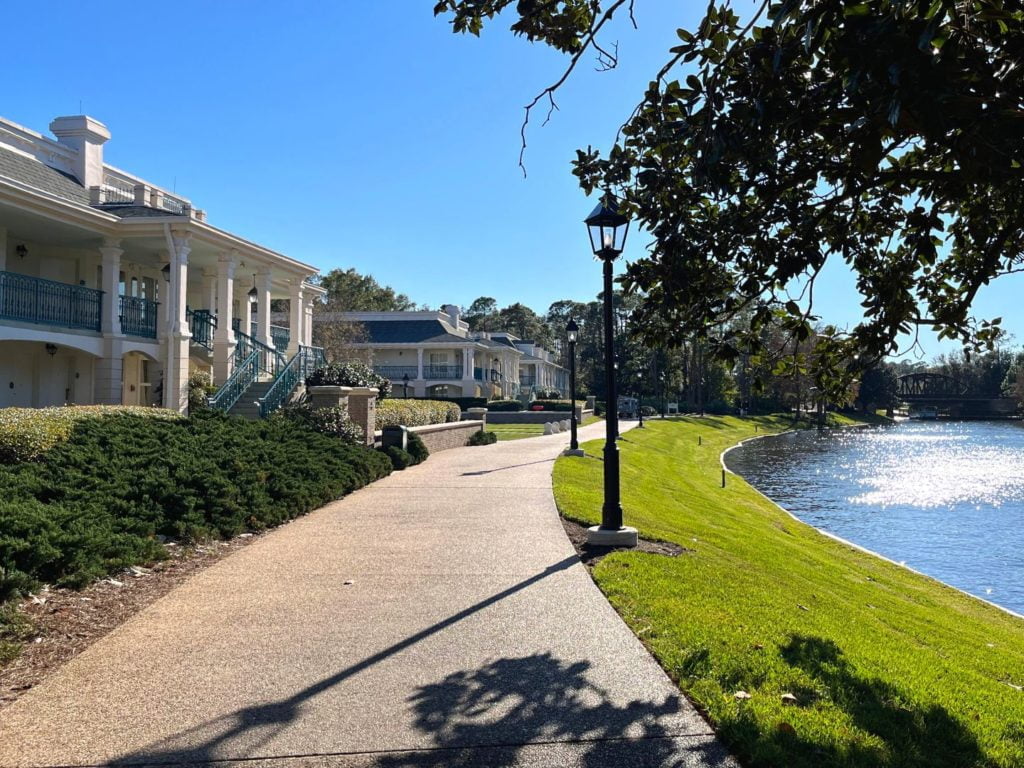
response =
{"points": [[441, 437]]}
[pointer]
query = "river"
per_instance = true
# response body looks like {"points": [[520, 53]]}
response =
{"points": [[945, 498]]}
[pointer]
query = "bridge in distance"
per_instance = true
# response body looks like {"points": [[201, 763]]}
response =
{"points": [[951, 400]]}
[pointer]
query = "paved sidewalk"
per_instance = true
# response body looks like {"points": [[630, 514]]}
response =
{"points": [[437, 618]]}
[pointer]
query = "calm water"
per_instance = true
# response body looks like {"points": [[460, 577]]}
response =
{"points": [[945, 498]]}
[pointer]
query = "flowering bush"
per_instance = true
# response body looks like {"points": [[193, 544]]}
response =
{"points": [[416, 413], [327, 421], [200, 387], [26, 434], [350, 374]]}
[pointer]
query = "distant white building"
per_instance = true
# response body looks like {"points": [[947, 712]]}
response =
{"points": [[434, 354], [112, 288]]}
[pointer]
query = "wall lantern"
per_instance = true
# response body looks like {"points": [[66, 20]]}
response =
{"points": [[21, 250], [253, 293], [51, 349], [166, 271]]}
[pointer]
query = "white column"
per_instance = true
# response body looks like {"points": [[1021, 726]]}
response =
{"points": [[176, 369], [110, 322], [419, 363], [224, 336], [263, 279], [307, 321], [296, 318]]}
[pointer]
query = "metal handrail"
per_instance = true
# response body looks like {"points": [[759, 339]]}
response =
{"points": [[201, 323], [315, 358], [240, 380], [303, 362], [138, 316], [271, 361], [28, 299]]}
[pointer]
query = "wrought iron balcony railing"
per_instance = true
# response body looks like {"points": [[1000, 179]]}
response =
{"points": [[442, 371], [138, 316], [202, 324], [396, 372], [26, 299]]}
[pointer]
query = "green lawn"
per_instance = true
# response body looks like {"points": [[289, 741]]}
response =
{"points": [[519, 431], [889, 668]]}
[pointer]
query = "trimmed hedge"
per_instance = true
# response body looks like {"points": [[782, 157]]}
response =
{"points": [[333, 421], [554, 405], [504, 405], [465, 403], [417, 448], [101, 500], [416, 413], [26, 434], [417, 453]]}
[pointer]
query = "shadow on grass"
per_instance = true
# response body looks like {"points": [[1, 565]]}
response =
{"points": [[913, 735]]}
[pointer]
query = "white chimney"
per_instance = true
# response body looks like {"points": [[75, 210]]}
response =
{"points": [[453, 311], [86, 136]]}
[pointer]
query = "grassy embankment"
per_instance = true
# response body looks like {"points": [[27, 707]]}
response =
{"points": [[888, 668], [519, 431]]}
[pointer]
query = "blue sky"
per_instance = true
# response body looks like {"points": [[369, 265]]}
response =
{"points": [[365, 134]]}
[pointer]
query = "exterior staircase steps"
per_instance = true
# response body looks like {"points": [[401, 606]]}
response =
{"points": [[247, 406]]}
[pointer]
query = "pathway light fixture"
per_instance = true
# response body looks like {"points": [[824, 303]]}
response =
{"points": [[405, 385], [572, 333], [640, 398], [608, 229]]}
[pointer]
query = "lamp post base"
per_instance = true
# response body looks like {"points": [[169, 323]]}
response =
{"points": [[611, 537], [573, 452]]}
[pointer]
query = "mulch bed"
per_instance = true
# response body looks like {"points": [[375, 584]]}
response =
{"points": [[591, 555], [65, 622]]}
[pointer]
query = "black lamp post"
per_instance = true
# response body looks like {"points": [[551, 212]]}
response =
{"points": [[608, 229], [405, 385], [640, 398], [572, 332]]}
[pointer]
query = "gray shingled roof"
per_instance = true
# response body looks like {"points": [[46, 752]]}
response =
{"points": [[410, 332], [35, 174]]}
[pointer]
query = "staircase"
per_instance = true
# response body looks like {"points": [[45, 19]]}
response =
{"points": [[248, 406]]}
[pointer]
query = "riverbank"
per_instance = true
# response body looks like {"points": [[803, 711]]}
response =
{"points": [[803, 651]]}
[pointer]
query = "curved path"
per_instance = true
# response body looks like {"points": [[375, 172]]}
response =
{"points": [[436, 618]]}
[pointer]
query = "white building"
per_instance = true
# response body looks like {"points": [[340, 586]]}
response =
{"points": [[434, 354], [112, 288]]}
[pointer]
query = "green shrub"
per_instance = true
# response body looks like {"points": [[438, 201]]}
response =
{"points": [[416, 413], [547, 394], [416, 448], [465, 403], [504, 405], [99, 501], [200, 387], [482, 438], [26, 434], [350, 374], [553, 405], [399, 459]]}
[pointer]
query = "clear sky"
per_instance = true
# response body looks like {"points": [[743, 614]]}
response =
{"points": [[363, 134]]}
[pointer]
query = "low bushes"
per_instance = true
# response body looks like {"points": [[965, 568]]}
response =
{"points": [[200, 387], [333, 422], [482, 438], [26, 434], [416, 413], [465, 403], [553, 405], [416, 452], [350, 374], [504, 405], [103, 499]]}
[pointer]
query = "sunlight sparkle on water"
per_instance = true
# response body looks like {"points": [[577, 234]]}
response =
{"points": [[946, 469]]}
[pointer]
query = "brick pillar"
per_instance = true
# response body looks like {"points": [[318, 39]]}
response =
{"points": [[362, 409]]}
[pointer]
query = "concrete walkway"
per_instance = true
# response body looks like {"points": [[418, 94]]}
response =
{"points": [[437, 618]]}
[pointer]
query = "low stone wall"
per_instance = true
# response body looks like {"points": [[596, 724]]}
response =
{"points": [[531, 417], [441, 437]]}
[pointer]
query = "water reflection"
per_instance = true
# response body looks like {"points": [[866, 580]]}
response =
{"points": [[947, 498]]}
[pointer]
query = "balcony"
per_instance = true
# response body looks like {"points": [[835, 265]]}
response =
{"points": [[26, 299], [527, 381], [442, 371], [396, 372], [138, 316]]}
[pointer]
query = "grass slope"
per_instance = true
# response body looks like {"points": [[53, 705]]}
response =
{"points": [[889, 668]]}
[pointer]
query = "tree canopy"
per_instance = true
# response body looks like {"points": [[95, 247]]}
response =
{"points": [[349, 291], [886, 134]]}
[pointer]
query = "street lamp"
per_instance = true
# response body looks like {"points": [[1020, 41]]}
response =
{"points": [[640, 398], [608, 228], [405, 385], [572, 333]]}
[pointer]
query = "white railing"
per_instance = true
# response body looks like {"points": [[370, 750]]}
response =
{"points": [[117, 190]]}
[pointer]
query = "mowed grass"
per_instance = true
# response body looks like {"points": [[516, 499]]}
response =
{"points": [[888, 668], [519, 431]]}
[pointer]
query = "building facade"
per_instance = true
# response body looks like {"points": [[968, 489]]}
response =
{"points": [[113, 289]]}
